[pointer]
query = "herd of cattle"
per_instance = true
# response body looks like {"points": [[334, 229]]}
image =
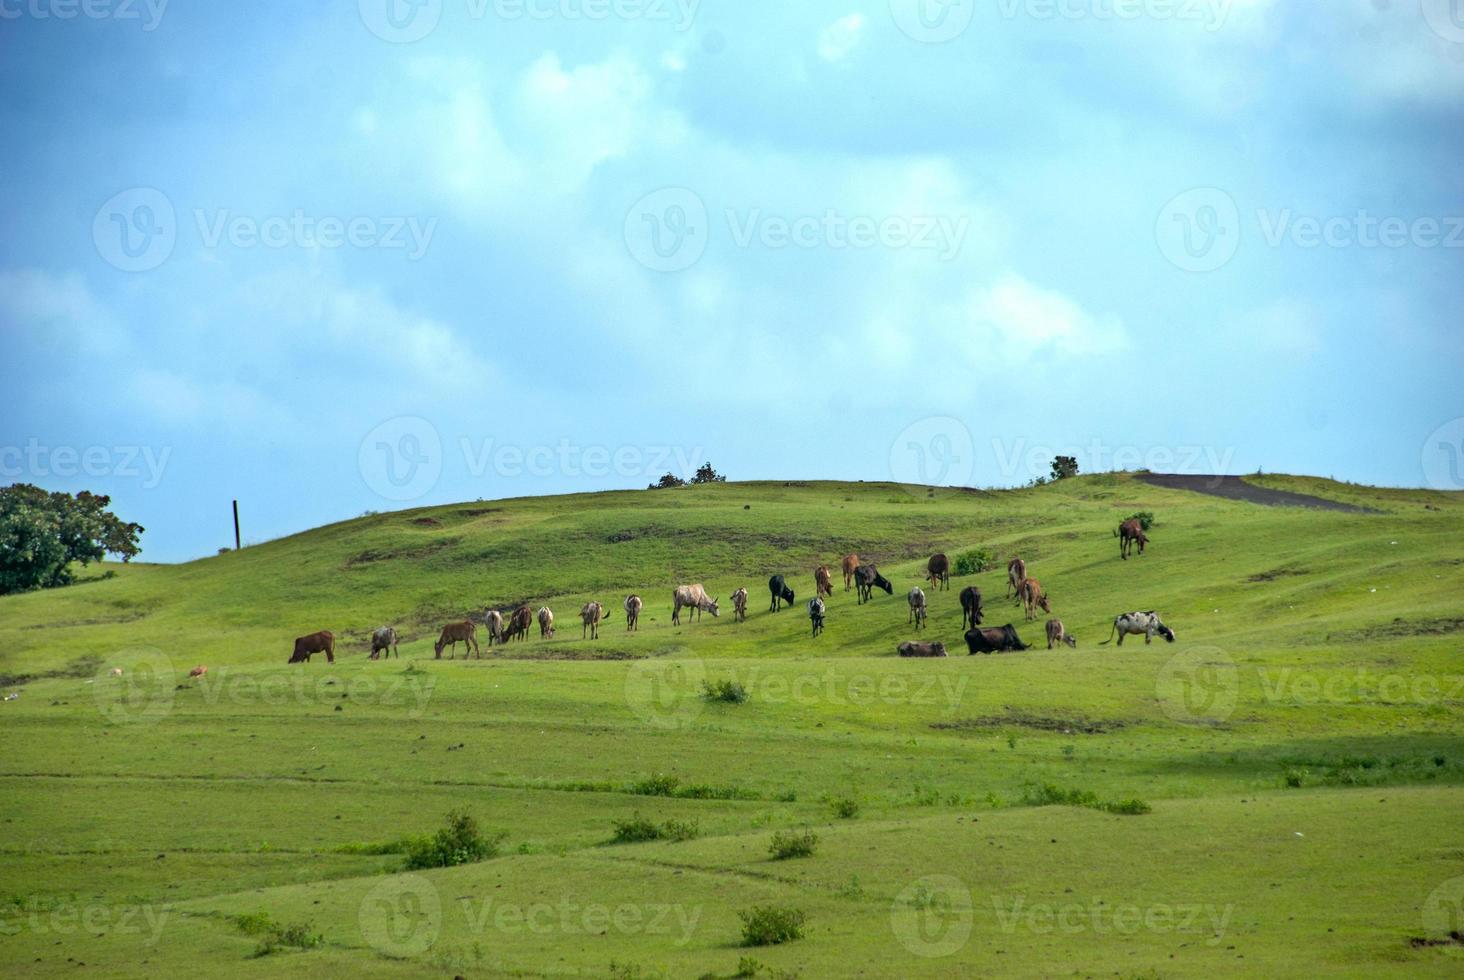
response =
{"points": [[863, 578]]}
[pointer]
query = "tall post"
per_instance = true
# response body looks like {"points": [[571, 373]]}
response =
{"points": [[236, 525]]}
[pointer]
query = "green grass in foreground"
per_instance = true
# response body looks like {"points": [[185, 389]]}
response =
{"points": [[1277, 793]]}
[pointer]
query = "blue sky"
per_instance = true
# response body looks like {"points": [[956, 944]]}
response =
{"points": [[330, 258]]}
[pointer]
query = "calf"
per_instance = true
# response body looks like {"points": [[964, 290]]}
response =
{"points": [[633, 606], [590, 617], [866, 579], [939, 569], [739, 605], [546, 622], [308, 646], [917, 607], [971, 607], [994, 640], [1145, 624], [780, 592], [823, 582], [911, 649], [1056, 634], [816, 614], [465, 633], [384, 641]]}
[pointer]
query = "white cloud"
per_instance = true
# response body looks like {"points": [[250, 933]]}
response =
{"points": [[1025, 319], [840, 38], [58, 310]]}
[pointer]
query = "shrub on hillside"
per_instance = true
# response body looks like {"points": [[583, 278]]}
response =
{"points": [[1144, 517], [728, 691], [770, 925], [460, 842], [793, 844], [975, 562]]}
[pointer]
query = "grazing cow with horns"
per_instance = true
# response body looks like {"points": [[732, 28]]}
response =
{"points": [[307, 646], [970, 607], [465, 633], [1145, 624], [816, 614], [692, 597], [383, 640], [1016, 575], [916, 599], [1130, 533], [939, 569], [739, 605], [866, 579], [823, 582], [851, 565], [590, 617], [780, 593], [633, 606]]}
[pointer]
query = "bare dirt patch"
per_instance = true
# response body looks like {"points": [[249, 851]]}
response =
{"points": [[1234, 488], [1276, 573], [1399, 628], [1076, 725]]}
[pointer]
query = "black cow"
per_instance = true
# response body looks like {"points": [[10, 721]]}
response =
{"points": [[910, 649], [994, 640], [971, 606], [781, 593], [866, 579]]}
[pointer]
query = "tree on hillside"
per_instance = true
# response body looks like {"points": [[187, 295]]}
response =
{"points": [[705, 474], [1064, 467], [669, 480], [43, 534]]}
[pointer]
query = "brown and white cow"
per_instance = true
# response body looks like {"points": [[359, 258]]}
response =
{"points": [[493, 620], [383, 642], [1057, 634], [823, 582], [692, 597], [546, 623], [633, 605], [1016, 575], [590, 617], [308, 646], [916, 598], [739, 605]]}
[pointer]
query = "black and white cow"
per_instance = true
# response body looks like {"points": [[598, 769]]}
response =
{"points": [[1145, 624], [816, 615]]}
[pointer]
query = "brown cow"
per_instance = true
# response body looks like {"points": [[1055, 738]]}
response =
{"points": [[546, 622], [739, 605], [912, 649], [633, 606], [1016, 574], [1033, 596], [823, 582], [306, 646], [590, 617], [1130, 533], [465, 633], [198, 671], [1056, 634], [518, 624], [851, 562], [971, 610], [939, 569]]}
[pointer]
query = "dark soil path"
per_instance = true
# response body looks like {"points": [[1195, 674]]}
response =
{"points": [[1234, 488]]}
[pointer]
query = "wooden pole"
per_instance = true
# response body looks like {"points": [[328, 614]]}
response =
{"points": [[236, 525]]}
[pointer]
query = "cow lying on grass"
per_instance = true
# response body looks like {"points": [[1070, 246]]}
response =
{"points": [[999, 639], [912, 649]]}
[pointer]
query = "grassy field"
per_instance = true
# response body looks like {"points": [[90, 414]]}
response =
{"points": [[1277, 793]]}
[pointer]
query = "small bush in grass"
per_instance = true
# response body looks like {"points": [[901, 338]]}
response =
{"points": [[770, 925], [729, 692], [1046, 794], [638, 829], [845, 807], [460, 842], [975, 562], [657, 785], [680, 829], [747, 967], [1130, 807], [1295, 778], [792, 844], [1144, 517], [274, 936]]}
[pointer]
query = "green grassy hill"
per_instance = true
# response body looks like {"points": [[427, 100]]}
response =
{"points": [[1299, 750]]}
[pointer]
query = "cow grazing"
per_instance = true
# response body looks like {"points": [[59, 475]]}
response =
{"points": [[383, 642], [198, 671], [308, 646], [939, 570], [866, 579], [1057, 634], [115, 672], [1016, 575], [518, 624], [823, 582], [912, 649], [1145, 624], [546, 623], [994, 640], [780, 593], [692, 597], [917, 607], [739, 605], [590, 616], [851, 564], [971, 607], [1130, 533], [1033, 597], [493, 619], [816, 614], [633, 606], [465, 633]]}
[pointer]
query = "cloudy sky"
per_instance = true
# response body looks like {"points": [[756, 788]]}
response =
{"points": [[348, 256]]}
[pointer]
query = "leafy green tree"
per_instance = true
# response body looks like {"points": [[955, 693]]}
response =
{"points": [[669, 480], [705, 474], [1064, 467], [43, 534]]}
